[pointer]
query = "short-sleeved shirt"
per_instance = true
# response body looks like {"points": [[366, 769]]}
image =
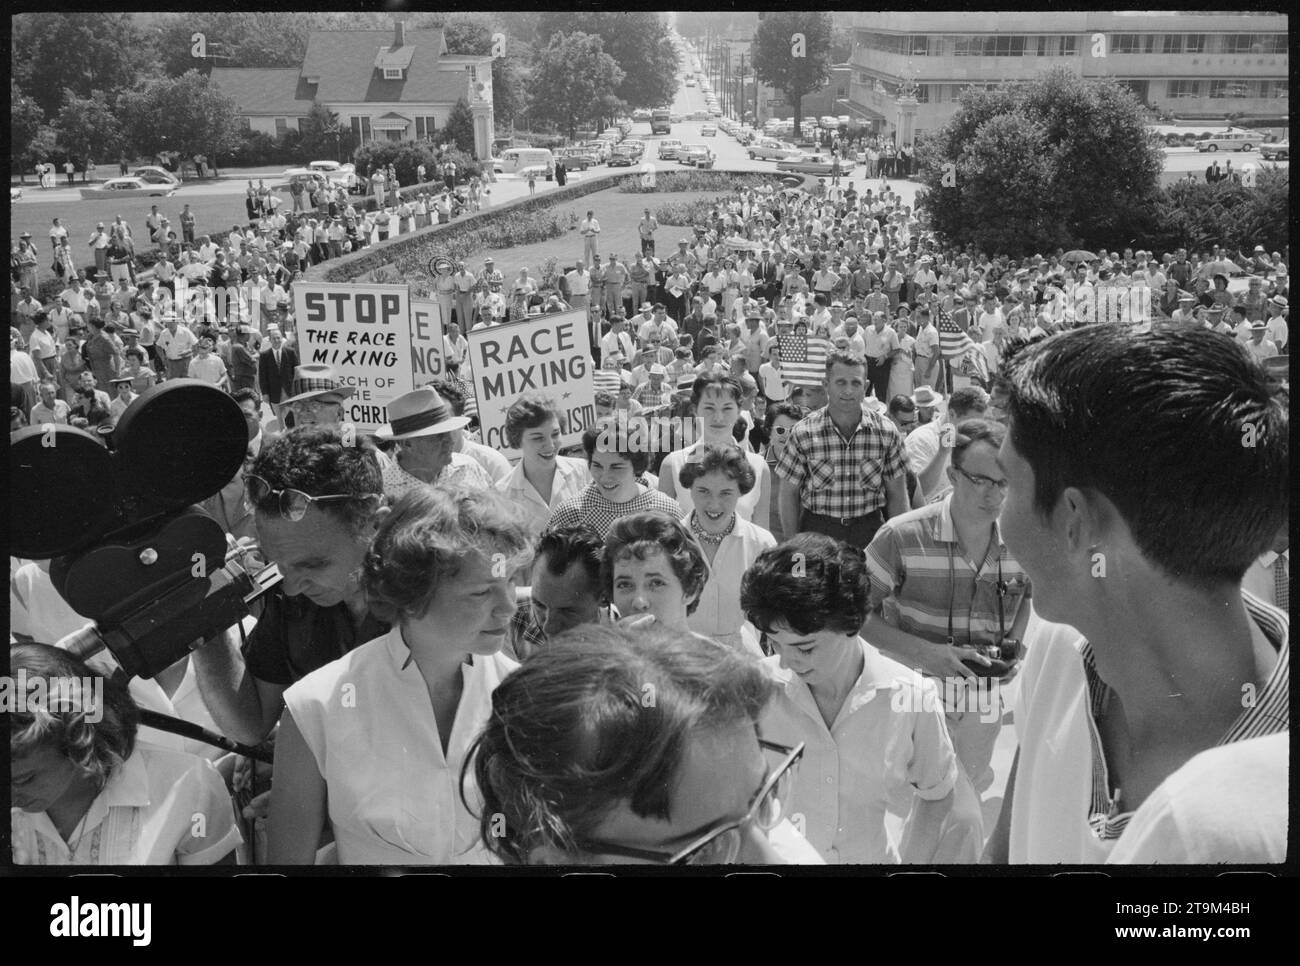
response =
{"points": [[887, 745], [592, 509], [462, 471], [922, 579], [160, 807], [295, 636], [838, 477]]}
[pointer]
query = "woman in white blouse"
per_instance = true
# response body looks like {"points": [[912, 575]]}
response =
{"points": [[85, 792], [374, 742], [716, 397], [717, 477], [542, 479]]}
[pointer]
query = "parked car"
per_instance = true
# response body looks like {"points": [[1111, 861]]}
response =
{"points": [[695, 155], [668, 148], [623, 159], [810, 163], [676, 118], [1229, 141], [344, 175], [1277, 151], [708, 131], [576, 159], [128, 187], [600, 149], [152, 174], [770, 149]]}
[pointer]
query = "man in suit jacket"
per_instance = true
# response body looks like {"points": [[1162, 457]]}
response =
{"points": [[275, 368], [765, 276]]}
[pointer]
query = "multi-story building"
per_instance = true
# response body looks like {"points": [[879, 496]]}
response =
{"points": [[397, 86], [1198, 65]]}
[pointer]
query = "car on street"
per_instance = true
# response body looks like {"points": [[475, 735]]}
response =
{"points": [[128, 187], [576, 159], [770, 149], [623, 159], [152, 174], [708, 131], [601, 150], [309, 179], [344, 175], [641, 115], [695, 155], [1277, 151], [810, 163], [677, 118], [668, 148], [1229, 141]]}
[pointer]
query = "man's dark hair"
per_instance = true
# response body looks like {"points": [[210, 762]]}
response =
{"points": [[451, 394], [247, 395], [968, 401], [315, 461], [901, 404], [1177, 428], [844, 357], [562, 547], [810, 583]]}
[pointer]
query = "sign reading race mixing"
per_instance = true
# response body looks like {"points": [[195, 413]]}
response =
{"points": [[382, 342]]}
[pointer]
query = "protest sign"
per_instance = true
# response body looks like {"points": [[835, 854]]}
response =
{"points": [[427, 350], [364, 332], [548, 353]]}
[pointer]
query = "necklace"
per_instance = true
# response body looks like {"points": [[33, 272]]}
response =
{"points": [[711, 538]]}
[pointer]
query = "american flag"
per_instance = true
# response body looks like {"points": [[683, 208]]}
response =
{"points": [[803, 359], [953, 341]]}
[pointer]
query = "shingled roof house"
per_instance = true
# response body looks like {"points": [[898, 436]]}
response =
{"points": [[397, 86]]}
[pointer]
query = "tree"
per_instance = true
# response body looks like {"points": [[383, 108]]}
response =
{"points": [[459, 128], [232, 39], [322, 136], [638, 42], [77, 52], [26, 119], [187, 115], [794, 69], [573, 81], [87, 127], [1085, 162], [471, 33]]}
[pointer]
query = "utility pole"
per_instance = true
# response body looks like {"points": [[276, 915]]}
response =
{"points": [[740, 114]]}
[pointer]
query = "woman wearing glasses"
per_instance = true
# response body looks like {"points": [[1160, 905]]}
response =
{"points": [[612, 746], [374, 742], [778, 421], [874, 731], [317, 504]]}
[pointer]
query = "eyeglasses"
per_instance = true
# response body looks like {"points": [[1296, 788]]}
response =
{"points": [[780, 430], [983, 483], [313, 405], [721, 844], [293, 504]]}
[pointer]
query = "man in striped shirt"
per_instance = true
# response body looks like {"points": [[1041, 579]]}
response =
{"points": [[1170, 659], [944, 587]]}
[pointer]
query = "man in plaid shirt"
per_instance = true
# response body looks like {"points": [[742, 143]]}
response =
{"points": [[655, 392], [842, 472]]}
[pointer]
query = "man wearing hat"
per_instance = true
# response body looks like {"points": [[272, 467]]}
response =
{"points": [[655, 392], [1183, 314], [1259, 346], [1276, 322], [98, 243], [315, 397], [423, 425]]}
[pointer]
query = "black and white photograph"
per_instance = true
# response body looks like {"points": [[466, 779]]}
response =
{"points": [[826, 443]]}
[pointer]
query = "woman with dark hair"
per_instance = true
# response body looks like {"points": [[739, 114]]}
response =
{"points": [[372, 743], [717, 478], [88, 408], [717, 401], [84, 793], [778, 421], [874, 727], [653, 567], [542, 479], [573, 769], [618, 452]]}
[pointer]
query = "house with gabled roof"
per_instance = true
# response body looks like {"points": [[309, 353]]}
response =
{"points": [[397, 86]]}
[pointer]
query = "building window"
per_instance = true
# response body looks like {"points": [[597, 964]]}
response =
{"points": [[392, 73], [281, 126], [920, 44], [1186, 89], [923, 93], [1279, 90], [1173, 44], [246, 123], [1194, 43], [425, 127], [361, 129], [1140, 89]]}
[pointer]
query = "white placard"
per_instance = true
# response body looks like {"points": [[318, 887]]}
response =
{"points": [[364, 332], [428, 349], [550, 354]]}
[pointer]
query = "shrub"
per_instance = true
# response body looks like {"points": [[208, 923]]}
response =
{"points": [[668, 182], [1196, 215]]}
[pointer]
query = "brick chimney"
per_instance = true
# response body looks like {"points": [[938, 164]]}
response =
{"points": [[399, 34]]}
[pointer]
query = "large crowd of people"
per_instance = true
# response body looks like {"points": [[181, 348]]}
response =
{"points": [[898, 483]]}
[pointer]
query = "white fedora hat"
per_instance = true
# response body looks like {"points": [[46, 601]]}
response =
{"points": [[421, 412]]}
